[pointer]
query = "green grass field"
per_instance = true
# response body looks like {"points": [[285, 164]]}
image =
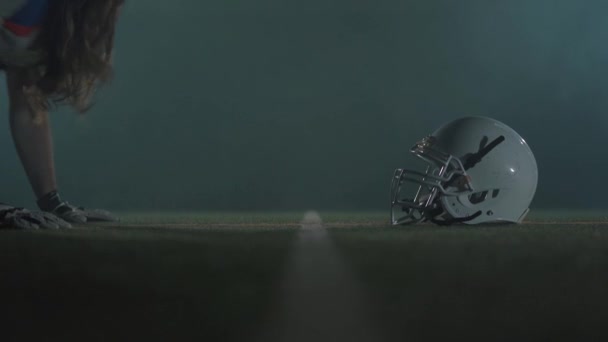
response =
{"points": [[273, 277]]}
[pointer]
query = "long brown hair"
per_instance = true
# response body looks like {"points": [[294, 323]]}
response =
{"points": [[76, 40]]}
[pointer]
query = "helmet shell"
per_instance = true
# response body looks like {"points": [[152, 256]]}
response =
{"points": [[504, 180]]}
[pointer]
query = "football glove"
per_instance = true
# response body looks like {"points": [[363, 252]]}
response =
{"points": [[20, 218], [53, 204], [75, 214]]}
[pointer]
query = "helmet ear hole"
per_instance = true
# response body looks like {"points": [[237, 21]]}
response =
{"points": [[481, 196], [478, 197], [495, 193]]}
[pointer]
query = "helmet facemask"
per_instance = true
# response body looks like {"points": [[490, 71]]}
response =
{"points": [[445, 175]]}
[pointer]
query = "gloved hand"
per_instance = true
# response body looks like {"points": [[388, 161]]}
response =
{"points": [[20, 218], [53, 204], [74, 214]]}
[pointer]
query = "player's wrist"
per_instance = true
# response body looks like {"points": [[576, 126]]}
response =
{"points": [[49, 202]]}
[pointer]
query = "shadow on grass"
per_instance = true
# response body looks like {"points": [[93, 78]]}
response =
{"points": [[137, 284], [541, 283]]}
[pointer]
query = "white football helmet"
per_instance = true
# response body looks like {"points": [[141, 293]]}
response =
{"points": [[478, 170]]}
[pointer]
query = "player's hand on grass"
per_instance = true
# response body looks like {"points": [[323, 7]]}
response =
{"points": [[77, 215], [20, 218], [52, 203]]}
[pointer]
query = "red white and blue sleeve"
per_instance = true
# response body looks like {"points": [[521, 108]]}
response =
{"points": [[21, 20]]}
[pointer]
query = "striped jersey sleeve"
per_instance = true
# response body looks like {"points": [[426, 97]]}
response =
{"points": [[27, 18], [19, 28]]}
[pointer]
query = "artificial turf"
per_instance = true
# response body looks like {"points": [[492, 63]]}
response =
{"points": [[138, 284], [215, 277]]}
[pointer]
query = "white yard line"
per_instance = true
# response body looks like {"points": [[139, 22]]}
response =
{"points": [[320, 298]]}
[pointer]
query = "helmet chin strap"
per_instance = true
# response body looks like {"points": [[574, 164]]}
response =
{"points": [[454, 220], [437, 211]]}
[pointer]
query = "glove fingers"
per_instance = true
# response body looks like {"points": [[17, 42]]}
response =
{"points": [[21, 223], [41, 219], [25, 219], [55, 220], [47, 224], [99, 215], [73, 216], [60, 222]]}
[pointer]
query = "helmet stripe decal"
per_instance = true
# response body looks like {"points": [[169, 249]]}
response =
{"points": [[476, 158]]}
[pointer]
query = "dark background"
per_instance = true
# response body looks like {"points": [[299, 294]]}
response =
{"points": [[293, 104]]}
